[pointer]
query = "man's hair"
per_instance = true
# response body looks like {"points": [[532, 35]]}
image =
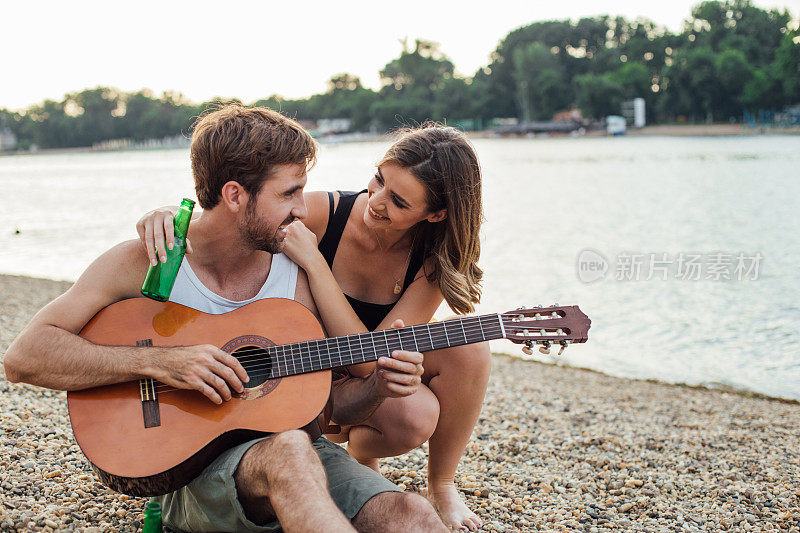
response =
{"points": [[244, 144]]}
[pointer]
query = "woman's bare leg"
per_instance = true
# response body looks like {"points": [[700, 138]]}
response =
{"points": [[458, 377], [444, 413], [397, 426]]}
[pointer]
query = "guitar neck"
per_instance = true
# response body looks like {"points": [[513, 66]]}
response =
{"points": [[324, 354]]}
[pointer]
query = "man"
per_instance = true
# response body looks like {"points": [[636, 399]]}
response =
{"points": [[249, 166]]}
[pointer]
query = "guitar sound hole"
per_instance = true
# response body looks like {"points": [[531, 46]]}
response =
{"points": [[257, 365]]}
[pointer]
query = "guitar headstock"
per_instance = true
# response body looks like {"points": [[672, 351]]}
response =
{"points": [[546, 326]]}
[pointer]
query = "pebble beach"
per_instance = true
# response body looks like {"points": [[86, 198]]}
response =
{"points": [[556, 449]]}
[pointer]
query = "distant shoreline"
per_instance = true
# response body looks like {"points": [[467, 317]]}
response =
{"points": [[665, 130]]}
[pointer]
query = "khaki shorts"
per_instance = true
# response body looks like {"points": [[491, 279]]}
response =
{"points": [[210, 503]]}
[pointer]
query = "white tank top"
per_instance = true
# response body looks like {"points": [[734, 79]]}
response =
{"points": [[189, 290]]}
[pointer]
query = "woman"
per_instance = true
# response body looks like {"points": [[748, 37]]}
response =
{"points": [[395, 251]]}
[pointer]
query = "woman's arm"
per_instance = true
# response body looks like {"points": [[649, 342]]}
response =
{"points": [[416, 306], [157, 232]]}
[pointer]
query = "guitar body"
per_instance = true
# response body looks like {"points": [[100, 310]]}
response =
{"points": [[150, 447]]}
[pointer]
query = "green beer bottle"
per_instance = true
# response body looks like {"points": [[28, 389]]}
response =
{"points": [[160, 278], [152, 518]]}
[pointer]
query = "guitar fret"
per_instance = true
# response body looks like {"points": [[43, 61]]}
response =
{"points": [[461, 323], [350, 349], [339, 347], [414, 336], [311, 355], [397, 340], [386, 342], [299, 359], [361, 343]]}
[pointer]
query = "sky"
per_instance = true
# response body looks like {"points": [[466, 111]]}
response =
{"points": [[250, 50]]}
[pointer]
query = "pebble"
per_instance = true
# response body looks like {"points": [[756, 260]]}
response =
{"points": [[555, 449]]}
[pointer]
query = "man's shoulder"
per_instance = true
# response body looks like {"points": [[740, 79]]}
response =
{"points": [[119, 271]]}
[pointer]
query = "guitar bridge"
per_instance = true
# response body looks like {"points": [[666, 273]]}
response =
{"points": [[147, 391], [150, 410]]}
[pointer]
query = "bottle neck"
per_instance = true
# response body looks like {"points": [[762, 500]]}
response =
{"points": [[182, 219]]}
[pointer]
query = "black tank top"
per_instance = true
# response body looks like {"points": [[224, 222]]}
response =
{"points": [[370, 314]]}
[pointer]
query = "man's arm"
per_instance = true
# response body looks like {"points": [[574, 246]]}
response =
{"points": [[49, 353]]}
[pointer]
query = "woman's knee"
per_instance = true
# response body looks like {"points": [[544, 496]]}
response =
{"points": [[478, 358], [470, 362], [414, 421]]}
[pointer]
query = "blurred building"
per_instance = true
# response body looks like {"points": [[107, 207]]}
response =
{"points": [[8, 141]]}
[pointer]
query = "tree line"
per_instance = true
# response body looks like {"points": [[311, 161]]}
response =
{"points": [[730, 57]]}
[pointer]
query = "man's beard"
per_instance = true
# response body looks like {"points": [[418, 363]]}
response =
{"points": [[259, 235]]}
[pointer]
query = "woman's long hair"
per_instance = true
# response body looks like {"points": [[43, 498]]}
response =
{"points": [[446, 164]]}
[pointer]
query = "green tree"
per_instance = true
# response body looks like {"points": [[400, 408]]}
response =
{"points": [[762, 91], [48, 126], [410, 85], [598, 95], [540, 82], [422, 68], [733, 72], [94, 111], [786, 67]]}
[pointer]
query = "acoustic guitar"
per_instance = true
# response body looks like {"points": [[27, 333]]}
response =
{"points": [[145, 438]]}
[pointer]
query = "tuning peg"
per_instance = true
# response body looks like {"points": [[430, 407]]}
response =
{"points": [[526, 349], [545, 349], [564, 345], [554, 305]]}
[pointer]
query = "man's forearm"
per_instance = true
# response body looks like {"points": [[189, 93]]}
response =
{"points": [[354, 400], [51, 357]]}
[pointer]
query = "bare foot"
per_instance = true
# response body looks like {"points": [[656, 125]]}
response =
{"points": [[371, 462], [451, 507]]}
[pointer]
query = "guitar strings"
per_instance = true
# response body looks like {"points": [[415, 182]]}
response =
{"points": [[260, 351], [327, 351], [358, 336], [308, 356], [257, 354]]}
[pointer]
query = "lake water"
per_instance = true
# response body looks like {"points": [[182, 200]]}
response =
{"points": [[685, 212]]}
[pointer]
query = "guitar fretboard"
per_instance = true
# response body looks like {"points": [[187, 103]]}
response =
{"points": [[323, 354]]}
